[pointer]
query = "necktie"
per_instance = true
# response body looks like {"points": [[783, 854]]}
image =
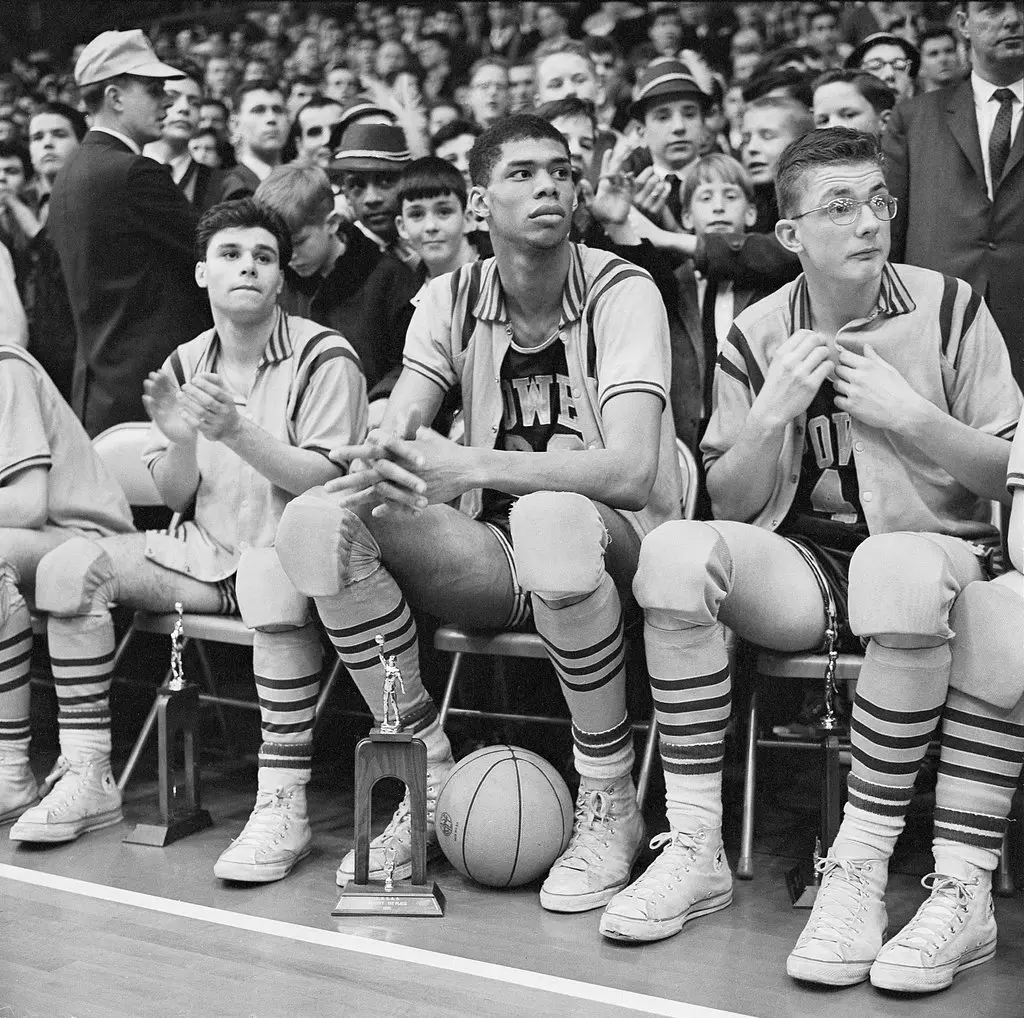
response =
{"points": [[673, 202], [999, 142], [710, 336]]}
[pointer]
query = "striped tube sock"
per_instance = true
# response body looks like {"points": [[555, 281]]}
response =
{"points": [[980, 765], [692, 693], [287, 669], [585, 642], [899, 699], [353, 619], [283, 764], [81, 654], [15, 662]]}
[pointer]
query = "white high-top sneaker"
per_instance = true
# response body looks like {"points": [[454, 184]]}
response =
{"points": [[955, 929], [18, 788], [398, 834], [78, 796], [276, 836], [847, 925], [690, 878], [607, 836]]}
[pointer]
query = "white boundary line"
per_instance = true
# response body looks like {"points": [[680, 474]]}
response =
{"points": [[375, 948]]}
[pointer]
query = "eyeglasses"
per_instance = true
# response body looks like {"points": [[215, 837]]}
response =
{"points": [[876, 65], [843, 211]]}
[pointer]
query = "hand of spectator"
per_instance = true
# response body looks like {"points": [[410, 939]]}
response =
{"points": [[874, 393], [210, 407], [22, 215], [161, 398], [614, 197], [650, 197], [796, 372]]}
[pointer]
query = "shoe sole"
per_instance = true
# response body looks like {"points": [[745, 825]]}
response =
{"points": [[616, 927], [52, 833], [903, 978], [252, 873], [402, 872], [826, 973]]}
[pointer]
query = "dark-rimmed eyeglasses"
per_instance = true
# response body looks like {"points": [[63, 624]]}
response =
{"points": [[843, 211], [877, 64]]}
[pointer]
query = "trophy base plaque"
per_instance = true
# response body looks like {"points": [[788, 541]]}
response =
{"points": [[404, 899], [180, 813]]}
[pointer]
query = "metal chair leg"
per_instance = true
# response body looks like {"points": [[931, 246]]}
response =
{"points": [[206, 671], [449, 689], [140, 743], [650, 745], [831, 791], [326, 687], [745, 863], [1004, 883]]}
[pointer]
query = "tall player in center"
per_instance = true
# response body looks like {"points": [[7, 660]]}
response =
{"points": [[569, 459]]}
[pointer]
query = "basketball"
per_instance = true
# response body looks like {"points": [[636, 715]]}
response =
{"points": [[503, 816]]}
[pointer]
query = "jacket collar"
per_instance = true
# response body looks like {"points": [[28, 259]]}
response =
{"points": [[279, 346], [893, 298]]}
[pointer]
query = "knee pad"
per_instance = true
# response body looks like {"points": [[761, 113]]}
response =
{"points": [[321, 545], [558, 540], [900, 583], [685, 568], [988, 654], [10, 596], [266, 598], [76, 578]]}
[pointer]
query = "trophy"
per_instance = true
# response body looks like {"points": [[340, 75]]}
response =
{"points": [[390, 752], [177, 710]]}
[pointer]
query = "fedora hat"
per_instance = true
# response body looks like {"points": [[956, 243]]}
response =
{"points": [[664, 79], [372, 147]]}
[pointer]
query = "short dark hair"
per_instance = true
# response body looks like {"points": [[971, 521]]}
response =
{"points": [[486, 152], [256, 85], [244, 213], [825, 147], [939, 32], [793, 82], [430, 177], [876, 91], [823, 8], [570, 106], [452, 130], [15, 150], [74, 117]]}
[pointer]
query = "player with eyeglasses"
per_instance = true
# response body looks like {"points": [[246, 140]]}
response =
{"points": [[862, 423]]}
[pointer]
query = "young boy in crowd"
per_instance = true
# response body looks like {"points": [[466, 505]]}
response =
{"points": [[341, 280], [433, 218], [244, 416], [53, 487]]}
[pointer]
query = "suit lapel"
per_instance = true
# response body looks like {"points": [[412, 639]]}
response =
{"points": [[963, 125]]}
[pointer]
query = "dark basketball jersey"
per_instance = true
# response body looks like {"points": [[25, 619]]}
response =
{"points": [[539, 410]]}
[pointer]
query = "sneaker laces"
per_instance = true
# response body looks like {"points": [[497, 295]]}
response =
{"points": [[60, 793], [941, 915], [841, 898], [270, 817], [661, 877], [591, 826]]}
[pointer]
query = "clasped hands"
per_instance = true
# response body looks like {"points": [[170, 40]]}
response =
{"points": [[203, 406], [404, 470]]}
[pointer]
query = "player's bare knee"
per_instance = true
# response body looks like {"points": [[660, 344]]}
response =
{"points": [[988, 658], [267, 599], [323, 546], [77, 578], [558, 539], [685, 571], [901, 590]]}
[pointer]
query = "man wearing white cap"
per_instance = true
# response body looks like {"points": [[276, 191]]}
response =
{"points": [[123, 233]]}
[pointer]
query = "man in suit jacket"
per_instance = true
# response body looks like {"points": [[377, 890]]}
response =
{"points": [[940, 149], [124, 234]]}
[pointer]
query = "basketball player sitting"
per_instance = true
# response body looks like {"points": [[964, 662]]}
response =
{"points": [[53, 488], [862, 423], [243, 417], [562, 354]]}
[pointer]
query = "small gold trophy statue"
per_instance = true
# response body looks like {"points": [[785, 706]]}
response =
{"points": [[177, 710], [389, 752]]}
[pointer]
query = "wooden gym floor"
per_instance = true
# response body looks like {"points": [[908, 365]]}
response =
{"points": [[100, 928]]}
